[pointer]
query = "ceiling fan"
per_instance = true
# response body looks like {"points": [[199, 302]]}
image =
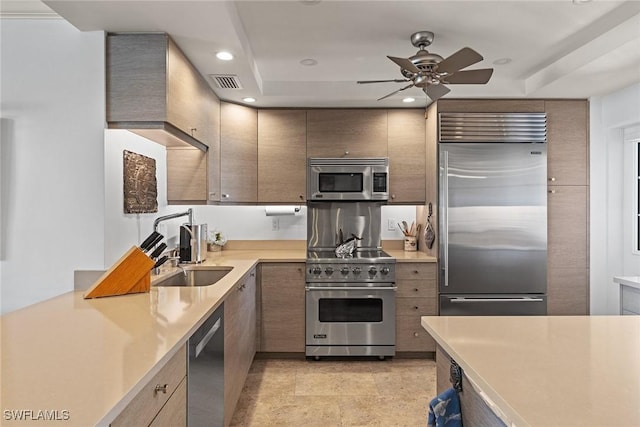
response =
{"points": [[431, 72]]}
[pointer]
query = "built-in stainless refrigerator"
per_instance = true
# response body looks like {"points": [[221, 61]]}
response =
{"points": [[493, 228]]}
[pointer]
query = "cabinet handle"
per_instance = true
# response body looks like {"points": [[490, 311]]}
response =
{"points": [[193, 130], [225, 195], [415, 307], [416, 272], [552, 191], [415, 334], [161, 388], [301, 197], [552, 179], [415, 289], [393, 196], [252, 274]]}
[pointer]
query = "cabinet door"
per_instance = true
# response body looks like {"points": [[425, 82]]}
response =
{"points": [[185, 100], [353, 133], [567, 208], [238, 153], [567, 245], [282, 156], [567, 142], [407, 156], [136, 77], [282, 307], [213, 163], [186, 175], [491, 105]]}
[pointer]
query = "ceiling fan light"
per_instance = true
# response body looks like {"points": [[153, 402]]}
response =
{"points": [[408, 99], [309, 62], [224, 55]]}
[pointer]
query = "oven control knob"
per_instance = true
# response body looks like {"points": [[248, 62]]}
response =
{"points": [[372, 271], [344, 271], [384, 270], [328, 271], [317, 270], [357, 270]]}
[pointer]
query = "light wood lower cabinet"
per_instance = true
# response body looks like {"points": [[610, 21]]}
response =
{"points": [[416, 297], [160, 408], [282, 307], [475, 412], [239, 340]]}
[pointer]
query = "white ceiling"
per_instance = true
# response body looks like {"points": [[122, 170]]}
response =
{"points": [[558, 49]]}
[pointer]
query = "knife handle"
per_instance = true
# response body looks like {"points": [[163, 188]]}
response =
{"points": [[158, 250]]}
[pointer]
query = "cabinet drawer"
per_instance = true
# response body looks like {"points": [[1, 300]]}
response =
{"points": [[174, 413], [630, 300], [144, 407], [411, 336], [415, 270], [417, 288], [416, 306]]}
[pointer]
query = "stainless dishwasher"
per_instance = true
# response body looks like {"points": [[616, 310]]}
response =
{"points": [[205, 377]]}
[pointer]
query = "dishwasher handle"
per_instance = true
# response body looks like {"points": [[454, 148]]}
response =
{"points": [[205, 340]]}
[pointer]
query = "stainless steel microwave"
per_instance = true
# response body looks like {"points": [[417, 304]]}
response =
{"points": [[348, 179]]}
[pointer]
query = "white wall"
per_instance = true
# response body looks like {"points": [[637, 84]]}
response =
{"points": [[611, 252], [236, 222], [52, 198]]}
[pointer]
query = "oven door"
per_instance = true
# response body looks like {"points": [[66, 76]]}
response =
{"points": [[339, 315]]}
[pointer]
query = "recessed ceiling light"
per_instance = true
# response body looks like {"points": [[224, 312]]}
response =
{"points": [[225, 56], [249, 99], [408, 99], [310, 2], [502, 61], [579, 2], [309, 62]]}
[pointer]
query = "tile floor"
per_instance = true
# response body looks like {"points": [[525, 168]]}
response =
{"points": [[326, 393]]}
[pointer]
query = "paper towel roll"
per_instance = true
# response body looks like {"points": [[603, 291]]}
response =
{"points": [[281, 210]]}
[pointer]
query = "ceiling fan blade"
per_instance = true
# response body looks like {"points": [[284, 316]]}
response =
{"points": [[405, 64], [436, 91], [480, 76], [393, 93], [382, 81], [459, 60]]}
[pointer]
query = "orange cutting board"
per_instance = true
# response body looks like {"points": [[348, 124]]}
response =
{"points": [[130, 274]]}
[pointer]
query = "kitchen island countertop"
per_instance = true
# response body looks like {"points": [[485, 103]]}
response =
{"points": [[85, 360], [549, 370]]}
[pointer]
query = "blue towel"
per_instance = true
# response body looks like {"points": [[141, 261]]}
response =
{"points": [[444, 410]]}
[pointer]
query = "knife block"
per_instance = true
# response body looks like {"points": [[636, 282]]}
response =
{"points": [[129, 275]]}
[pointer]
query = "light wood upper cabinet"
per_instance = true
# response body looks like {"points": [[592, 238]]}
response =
{"points": [[342, 133], [490, 105], [407, 156], [193, 176], [567, 142], [282, 156], [153, 90], [238, 153]]}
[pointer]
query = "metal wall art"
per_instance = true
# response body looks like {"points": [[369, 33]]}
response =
{"points": [[140, 183]]}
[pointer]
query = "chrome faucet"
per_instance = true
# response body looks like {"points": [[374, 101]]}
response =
{"points": [[158, 220]]}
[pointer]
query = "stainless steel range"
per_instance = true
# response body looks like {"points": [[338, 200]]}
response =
{"points": [[350, 300]]}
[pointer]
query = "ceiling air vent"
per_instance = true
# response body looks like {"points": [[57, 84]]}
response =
{"points": [[226, 81]]}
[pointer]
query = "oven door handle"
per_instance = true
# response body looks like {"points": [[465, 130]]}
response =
{"points": [[351, 288]]}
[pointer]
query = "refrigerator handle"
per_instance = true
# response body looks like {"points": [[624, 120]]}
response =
{"points": [[444, 234]]}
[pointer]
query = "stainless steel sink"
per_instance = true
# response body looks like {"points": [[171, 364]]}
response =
{"points": [[195, 277]]}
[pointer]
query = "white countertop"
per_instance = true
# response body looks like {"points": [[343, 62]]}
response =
{"points": [[91, 357], [633, 281], [550, 370]]}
